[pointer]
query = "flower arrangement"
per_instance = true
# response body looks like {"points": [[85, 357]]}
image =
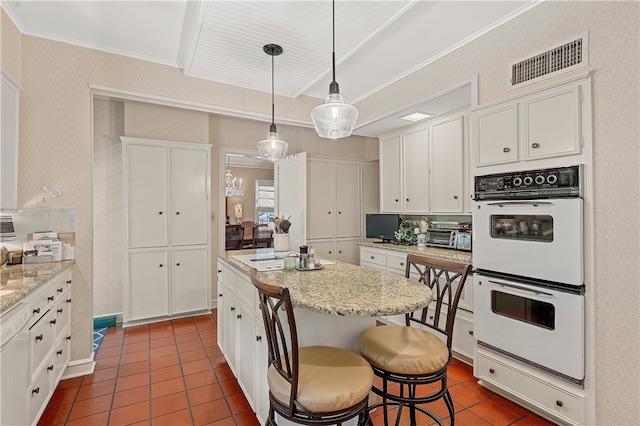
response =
{"points": [[406, 233]]}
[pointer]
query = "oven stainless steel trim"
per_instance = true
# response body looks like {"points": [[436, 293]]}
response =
{"points": [[519, 287]]}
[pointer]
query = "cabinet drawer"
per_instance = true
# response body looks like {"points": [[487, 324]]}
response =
{"points": [[463, 340], [62, 313], [533, 389], [62, 284], [42, 303], [38, 392], [41, 340], [61, 354], [373, 256], [397, 263]]}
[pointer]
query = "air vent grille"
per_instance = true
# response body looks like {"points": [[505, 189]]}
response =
{"points": [[561, 58]]}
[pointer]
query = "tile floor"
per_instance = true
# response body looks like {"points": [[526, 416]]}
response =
{"points": [[173, 373]]}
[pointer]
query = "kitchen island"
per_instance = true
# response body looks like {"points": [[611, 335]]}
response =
{"points": [[333, 306]]}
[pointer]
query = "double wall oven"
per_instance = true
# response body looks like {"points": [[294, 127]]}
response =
{"points": [[528, 257]]}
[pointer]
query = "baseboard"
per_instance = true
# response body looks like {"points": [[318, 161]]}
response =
{"points": [[81, 367]]}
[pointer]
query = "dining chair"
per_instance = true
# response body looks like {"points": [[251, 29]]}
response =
{"points": [[313, 385], [233, 237], [419, 352], [262, 236], [247, 239]]}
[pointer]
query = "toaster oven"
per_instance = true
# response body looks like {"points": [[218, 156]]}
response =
{"points": [[449, 238]]}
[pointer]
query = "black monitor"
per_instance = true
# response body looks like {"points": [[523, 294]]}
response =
{"points": [[382, 226]]}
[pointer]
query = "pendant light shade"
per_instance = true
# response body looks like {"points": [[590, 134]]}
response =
{"points": [[272, 148], [334, 119]]}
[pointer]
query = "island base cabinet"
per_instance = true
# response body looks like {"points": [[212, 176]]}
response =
{"points": [[547, 395], [261, 385]]}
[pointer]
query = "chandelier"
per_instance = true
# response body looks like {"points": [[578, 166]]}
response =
{"points": [[232, 187]]}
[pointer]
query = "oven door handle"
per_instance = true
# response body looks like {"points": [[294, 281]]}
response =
{"points": [[520, 203], [518, 287]]}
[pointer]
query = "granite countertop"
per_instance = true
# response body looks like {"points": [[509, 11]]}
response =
{"points": [[18, 281], [344, 289], [439, 253]]}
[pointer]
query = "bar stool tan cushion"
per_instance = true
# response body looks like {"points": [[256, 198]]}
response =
{"points": [[405, 350], [330, 379]]}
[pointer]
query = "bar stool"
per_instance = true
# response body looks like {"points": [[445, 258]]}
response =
{"points": [[411, 356], [313, 385]]}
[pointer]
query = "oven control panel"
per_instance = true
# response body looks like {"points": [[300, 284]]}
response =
{"points": [[559, 182]]}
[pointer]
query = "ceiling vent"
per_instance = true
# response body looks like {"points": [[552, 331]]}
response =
{"points": [[556, 60]]}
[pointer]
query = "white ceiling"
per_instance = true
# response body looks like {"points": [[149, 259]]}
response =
{"points": [[377, 42]]}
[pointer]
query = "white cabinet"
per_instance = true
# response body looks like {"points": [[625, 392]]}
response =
{"points": [[35, 350], [447, 166], [538, 125], [342, 249], [167, 229], [241, 336], [404, 173], [334, 201], [547, 395], [10, 98]]}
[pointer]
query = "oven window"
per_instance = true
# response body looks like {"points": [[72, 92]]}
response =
{"points": [[522, 227], [531, 311]]}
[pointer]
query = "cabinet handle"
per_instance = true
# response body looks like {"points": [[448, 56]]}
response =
{"points": [[68, 281], [177, 212], [68, 300], [339, 251], [239, 316], [68, 337], [492, 371], [397, 200], [559, 403], [373, 257], [50, 368], [330, 252], [36, 311], [39, 337], [535, 145], [407, 200], [233, 308], [59, 311], [159, 212], [53, 322], [471, 332], [455, 197], [178, 264], [161, 265], [60, 290], [339, 212], [50, 299], [36, 390], [258, 338], [219, 294], [219, 271], [506, 149], [328, 212], [59, 352], [401, 263], [431, 317]]}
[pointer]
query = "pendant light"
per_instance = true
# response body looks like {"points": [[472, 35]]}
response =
{"points": [[334, 119], [272, 148]]}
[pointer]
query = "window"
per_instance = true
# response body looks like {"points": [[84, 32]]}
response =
{"points": [[265, 201]]}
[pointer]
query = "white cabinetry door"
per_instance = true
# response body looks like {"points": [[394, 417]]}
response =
{"points": [[148, 287], [10, 94], [495, 132], [415, 160], [189, 181], [320, 213], [552, 124], [246, 345], [347, 251], [347, 190], [230, 339], [261, 364], [447, 167], [147, 178], [390, 175], [189, 269]]}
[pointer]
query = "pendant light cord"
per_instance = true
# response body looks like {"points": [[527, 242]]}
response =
{"points": [[334, 39], [272, 128]]}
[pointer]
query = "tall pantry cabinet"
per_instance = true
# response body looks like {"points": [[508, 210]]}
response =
{"points": [[167, 241]]}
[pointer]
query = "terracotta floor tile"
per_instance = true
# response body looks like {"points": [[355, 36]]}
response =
{"points": [[162, 334], [111, 342], [129, 414], [224, 373], [164, 361], [163, 341], [209, 342], [464, 396], [137, 330], [136, 338], [164, 351], [108, 352], [459, 372], [184, 329], [100, 419], [494, 413], [187, 337], [169, 404], [101, 375], [93, 390], [238, 403], [166, 373], [110, 362], [469, 418], [536, 420], [204, 378], [130, 358], [230, 387], [70, 383], [218, 361], [189, 346], [213, 351], [135, 347], [230, 421], [511, 406], [196, 366], [133, 381], [244, 419], [91, 406], [63, 396], [133, 368], [182, 417], [210, 412], [205, 394], [131, 396], [193, 355], [167, 387], [55, 414]]}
